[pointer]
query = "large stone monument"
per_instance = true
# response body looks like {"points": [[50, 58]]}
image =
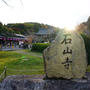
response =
{"points": [[66, 56]]}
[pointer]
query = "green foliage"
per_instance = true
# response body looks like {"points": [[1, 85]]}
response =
{"points": [[87, 46], [39, 47], [24, 28], [4, 31], [88, 68]]}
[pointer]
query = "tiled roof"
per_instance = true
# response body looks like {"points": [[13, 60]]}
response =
{"points": [[44, 31]]}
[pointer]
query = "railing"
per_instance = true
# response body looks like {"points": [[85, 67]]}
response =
{"points": [[3, 74], [7, 72]]}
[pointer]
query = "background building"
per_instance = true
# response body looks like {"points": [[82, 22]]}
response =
{"points": [[45, 35]]}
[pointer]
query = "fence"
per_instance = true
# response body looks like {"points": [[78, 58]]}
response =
{"points": [[3, 74], [9, 71]]}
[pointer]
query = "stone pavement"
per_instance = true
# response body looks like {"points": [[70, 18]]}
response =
{"points": [[10, 49]]}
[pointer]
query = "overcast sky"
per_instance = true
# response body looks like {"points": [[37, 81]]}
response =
{"points": [[61, 13]]}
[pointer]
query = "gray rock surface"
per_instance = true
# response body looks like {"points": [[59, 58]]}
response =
{"points": [[37, 83], [66, 57]]}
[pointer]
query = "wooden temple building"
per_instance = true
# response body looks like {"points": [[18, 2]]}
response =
{"points": [[45, 35]]}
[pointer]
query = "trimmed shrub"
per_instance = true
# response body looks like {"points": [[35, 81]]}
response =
{"points": [[39, 47], [87, 46]]}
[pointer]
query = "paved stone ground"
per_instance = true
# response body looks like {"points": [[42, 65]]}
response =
{"points": [[36, 82], [9, 49]]}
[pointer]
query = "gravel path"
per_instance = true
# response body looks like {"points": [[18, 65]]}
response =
{"points": [[28, 53]]}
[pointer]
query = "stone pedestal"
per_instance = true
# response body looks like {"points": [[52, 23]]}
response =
{"points": [[33, 83]]}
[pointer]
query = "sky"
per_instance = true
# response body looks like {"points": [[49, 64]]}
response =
{"points": [[59, 13]]}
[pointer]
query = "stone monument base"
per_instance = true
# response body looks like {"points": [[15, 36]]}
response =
{"points": [[37, 83]]}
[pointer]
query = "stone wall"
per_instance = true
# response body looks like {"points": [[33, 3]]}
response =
{"points": [[29, 83]]}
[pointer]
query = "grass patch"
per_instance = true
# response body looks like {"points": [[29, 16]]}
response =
{"points": [[25, 63]]}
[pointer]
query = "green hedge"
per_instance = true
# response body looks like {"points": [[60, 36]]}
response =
{"points": [[87, 46], [39, 47]]}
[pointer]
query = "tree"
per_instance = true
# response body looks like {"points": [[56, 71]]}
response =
{"points": [[5, 1], [87, 46]]}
